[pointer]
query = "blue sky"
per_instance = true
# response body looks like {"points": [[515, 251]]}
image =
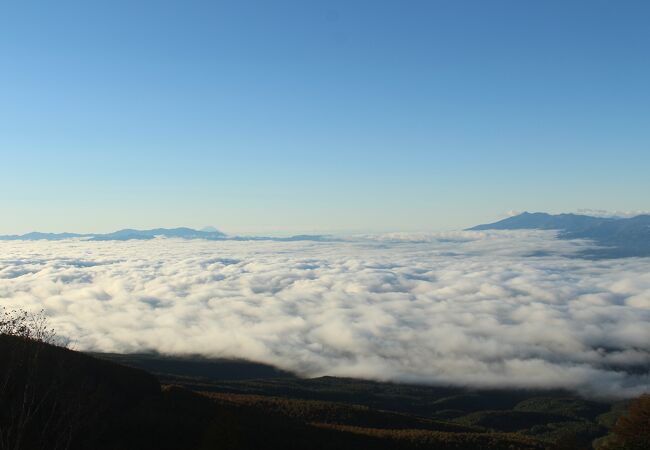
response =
{"points": [[276, 116]]}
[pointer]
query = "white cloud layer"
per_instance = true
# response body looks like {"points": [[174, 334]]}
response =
{"points": [[606, 213], [468, 308]]}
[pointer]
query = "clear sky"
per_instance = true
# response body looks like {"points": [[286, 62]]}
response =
{"points": [[283, 116]]}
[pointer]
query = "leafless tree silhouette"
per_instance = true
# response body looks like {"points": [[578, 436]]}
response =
{"points": [[35, 413]]}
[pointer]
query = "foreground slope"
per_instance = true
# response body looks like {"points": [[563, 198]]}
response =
{"points": [[52, 397], [556, 419]]}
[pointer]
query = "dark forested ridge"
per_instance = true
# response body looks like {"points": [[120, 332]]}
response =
{"points": [[52, 397], [397, 415]]}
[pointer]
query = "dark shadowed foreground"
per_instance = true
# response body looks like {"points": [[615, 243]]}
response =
{"points": [[55, 398]]}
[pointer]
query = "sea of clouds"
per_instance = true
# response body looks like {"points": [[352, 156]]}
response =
{"points": [[506, 309]]}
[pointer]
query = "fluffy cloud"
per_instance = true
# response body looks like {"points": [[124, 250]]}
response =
{"points": [[469, 308], [606, 213]]}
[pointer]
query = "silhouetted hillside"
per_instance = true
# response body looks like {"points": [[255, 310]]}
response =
{"points": [[53, 398], [177, 369], [548, 416]]}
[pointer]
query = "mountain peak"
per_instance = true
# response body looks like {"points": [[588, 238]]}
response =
{"points": [[617, 237]]}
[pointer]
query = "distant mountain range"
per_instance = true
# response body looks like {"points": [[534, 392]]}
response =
{"points": [[184, 233], [615, 237], [208, 233]]}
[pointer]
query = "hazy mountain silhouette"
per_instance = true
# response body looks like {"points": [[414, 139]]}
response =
{"points": [[208, 233], [37, 236], [615, 237], [185, 233], [544, 221], [121, 235]]}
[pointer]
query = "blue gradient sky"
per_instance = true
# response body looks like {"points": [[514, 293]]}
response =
{"points": [[276, 116]]}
